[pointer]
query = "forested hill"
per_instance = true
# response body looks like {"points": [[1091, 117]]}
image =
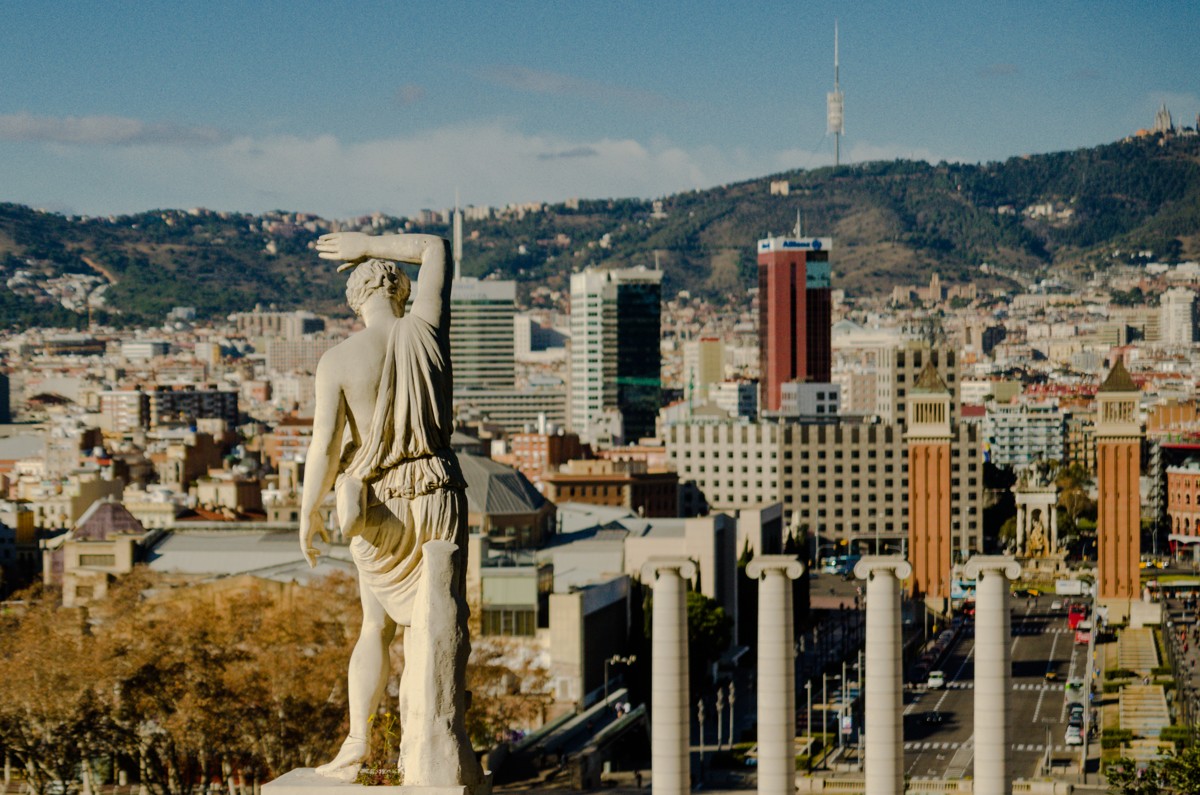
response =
{"points": [[892, 223]]}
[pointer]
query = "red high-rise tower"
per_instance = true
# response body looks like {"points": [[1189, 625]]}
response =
{"points": [[795, 314]]}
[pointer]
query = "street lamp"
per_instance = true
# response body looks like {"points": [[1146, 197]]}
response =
{"points": [[616, 659], [731, 700], [842, 705], [720, 709], [808, 714]]}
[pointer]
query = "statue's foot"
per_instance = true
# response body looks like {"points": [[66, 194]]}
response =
{"points": [[348, 762]]}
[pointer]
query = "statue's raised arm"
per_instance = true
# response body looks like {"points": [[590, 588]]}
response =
{"points": [[432, 253]]}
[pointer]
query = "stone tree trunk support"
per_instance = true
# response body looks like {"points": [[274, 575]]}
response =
{"points": [[776, 673], [884, 690], [993, 672], [669, 724]]}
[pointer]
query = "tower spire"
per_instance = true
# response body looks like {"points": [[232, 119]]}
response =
{"points": [[835, 123]]}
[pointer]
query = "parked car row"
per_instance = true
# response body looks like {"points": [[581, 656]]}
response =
{"points": [[933, 654]]}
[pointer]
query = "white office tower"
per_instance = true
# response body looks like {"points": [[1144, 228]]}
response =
{"points": [[615, 357], [1179, 316], [481, 333]]}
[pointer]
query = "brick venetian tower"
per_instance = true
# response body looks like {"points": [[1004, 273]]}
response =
{"points": [[929, 529], [1118, 467]]}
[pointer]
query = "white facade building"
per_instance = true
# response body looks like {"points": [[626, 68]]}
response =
{"points": [[141, 350], [845, 481], [809, 400], [482, 333], [1018, 435], [739, 398], [1179, 316]]}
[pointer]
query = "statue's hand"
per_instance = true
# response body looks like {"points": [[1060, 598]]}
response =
{"points": [[347, 246], [310, 529]]}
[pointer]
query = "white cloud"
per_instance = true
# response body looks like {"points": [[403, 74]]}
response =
{"points": [[103, 131], [540, 81], [999, 70], [409, 94], [490, 163]]}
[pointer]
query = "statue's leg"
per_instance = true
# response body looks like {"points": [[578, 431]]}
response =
{"points": [[370, 667], [435, 749]]}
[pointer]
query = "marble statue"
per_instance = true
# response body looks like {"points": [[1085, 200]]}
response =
{"points": [[1036, 546], [381, 440]]}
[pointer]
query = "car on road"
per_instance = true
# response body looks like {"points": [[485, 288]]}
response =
{"points": [[934, 717], [937, 680], [1052, 675], [1056, 604], [1074, 687], [1075, 710], [1074, 736]]}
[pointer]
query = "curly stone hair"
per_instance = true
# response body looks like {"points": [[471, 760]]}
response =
{"points": [[377, 274]]}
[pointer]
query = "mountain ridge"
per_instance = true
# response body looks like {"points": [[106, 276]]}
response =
{"points": [[893, 222]]}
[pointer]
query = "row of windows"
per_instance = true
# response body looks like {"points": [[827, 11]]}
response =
{"points": [[590, 491], [509, 621], [700, 471]]}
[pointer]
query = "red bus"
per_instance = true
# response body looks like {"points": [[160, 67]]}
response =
{"points": [[1075, 614]]}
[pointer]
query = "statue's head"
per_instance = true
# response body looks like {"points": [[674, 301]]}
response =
{"points": [[377, 275]]}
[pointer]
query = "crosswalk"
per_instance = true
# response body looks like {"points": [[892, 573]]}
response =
{"points": [[1022, 629], [1035, 686], [916, 745]]}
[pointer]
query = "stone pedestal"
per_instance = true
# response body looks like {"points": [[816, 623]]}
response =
{"points": [[669, 724], [884, 685], [993, 672], [776, 673], [306, 781]]}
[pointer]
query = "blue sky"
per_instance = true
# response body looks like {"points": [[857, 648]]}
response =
{"points": [[121, 107]]}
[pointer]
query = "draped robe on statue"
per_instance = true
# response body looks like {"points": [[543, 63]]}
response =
{"points": [[402, 486]]}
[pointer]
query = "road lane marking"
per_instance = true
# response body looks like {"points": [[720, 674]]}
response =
{"points": [[1042, 693]]}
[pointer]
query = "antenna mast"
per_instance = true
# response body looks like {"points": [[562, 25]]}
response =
{"points": [[834, 116]]}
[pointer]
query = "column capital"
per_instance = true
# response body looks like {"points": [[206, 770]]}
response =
{"points": [[1000, 564], [866, 568], [761, 564], [685, 566]]}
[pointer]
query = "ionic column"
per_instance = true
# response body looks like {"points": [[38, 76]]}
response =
{"points": [[669, 724], [993, 672], [776, 673], [884, 684]]}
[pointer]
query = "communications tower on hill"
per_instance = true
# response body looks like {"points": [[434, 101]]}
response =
{"points": [[835, 120]]}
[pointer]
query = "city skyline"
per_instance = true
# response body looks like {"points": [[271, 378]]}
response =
{"points": [[126, 108]]}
